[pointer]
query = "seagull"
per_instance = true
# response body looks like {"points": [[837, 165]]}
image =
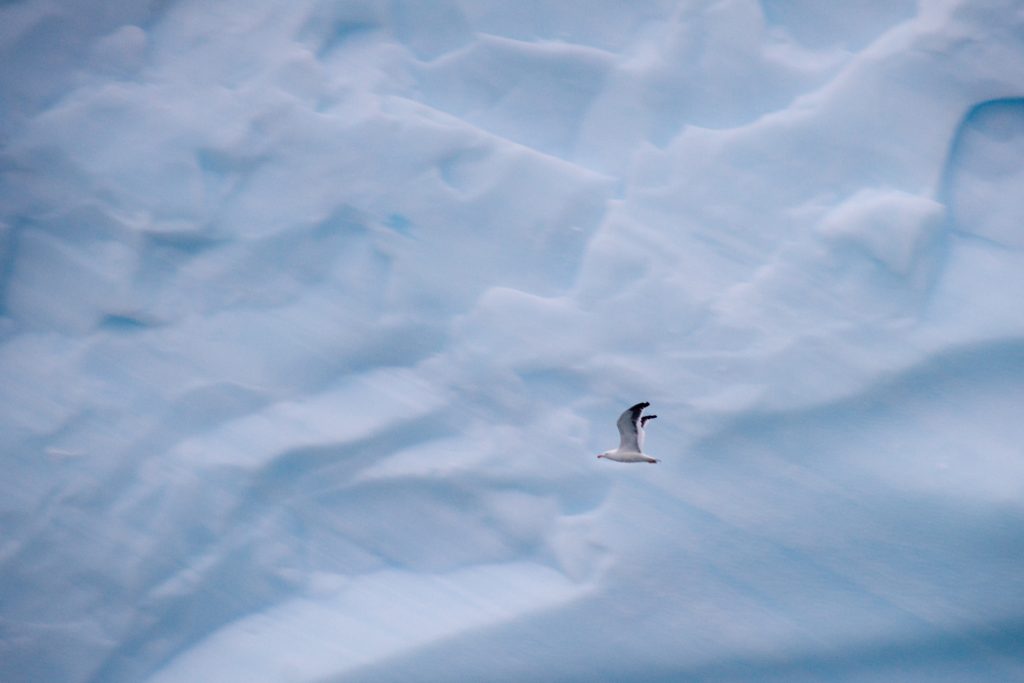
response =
{"points": [[631, 436]]}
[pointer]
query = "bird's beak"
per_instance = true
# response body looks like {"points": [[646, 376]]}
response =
{"points": [[600, 455]]}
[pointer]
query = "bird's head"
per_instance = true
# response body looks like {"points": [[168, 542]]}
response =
{"points": [[602, 455]]}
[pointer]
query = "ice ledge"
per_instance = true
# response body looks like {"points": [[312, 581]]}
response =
{"points": [[348, 623]]}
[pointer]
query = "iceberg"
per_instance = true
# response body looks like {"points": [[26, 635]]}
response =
{"points": [[313, 315]]}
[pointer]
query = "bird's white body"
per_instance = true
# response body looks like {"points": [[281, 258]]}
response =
{"points": [[618, 455], [631, 436]]}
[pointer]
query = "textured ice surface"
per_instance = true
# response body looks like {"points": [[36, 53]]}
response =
{"points": [[313, 315]]}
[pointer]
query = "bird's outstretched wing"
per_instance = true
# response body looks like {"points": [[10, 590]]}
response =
{"points": [[641, 432], [629, 428]]}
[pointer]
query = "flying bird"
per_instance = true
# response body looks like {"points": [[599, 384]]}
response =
{"points": [[631, 436]]}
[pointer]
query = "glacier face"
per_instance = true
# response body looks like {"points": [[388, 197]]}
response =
{"points": [[313, 315]]}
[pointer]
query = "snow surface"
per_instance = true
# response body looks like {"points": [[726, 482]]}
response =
{"points": [[313, 314]]}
